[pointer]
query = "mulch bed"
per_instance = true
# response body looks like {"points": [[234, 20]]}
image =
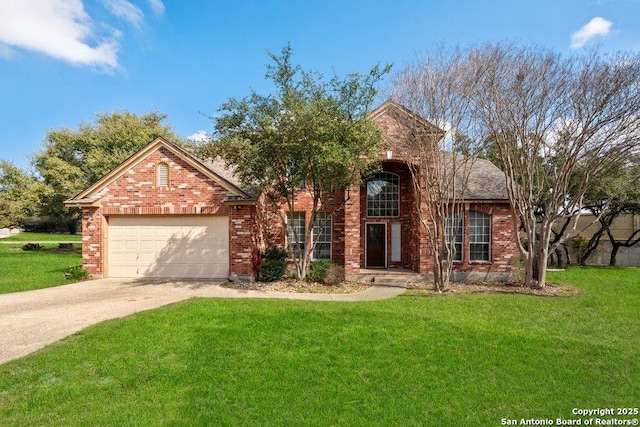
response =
{"points": [[503, 288], [427, 289], [299, 286]]}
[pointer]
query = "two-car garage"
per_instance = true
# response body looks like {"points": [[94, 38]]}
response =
{"points": [[178, 246]]}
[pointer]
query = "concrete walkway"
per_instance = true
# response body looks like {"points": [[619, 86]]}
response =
{"points": [[31, 320]]}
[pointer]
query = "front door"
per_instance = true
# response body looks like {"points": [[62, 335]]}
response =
{"points": [[376, 245]]}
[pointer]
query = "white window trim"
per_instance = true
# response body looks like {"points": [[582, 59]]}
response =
{"points": [[461, 234], [488, 243], [289, 235], [329, 223]]}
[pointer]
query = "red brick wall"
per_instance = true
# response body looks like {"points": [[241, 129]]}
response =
{"points": [[350, 218], [92, 229], [189, 191], [273, 231], [241, 240], [503, 247]]}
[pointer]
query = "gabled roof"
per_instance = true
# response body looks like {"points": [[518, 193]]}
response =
{"points": [[486, 181], [219, 173], [404, 123]]}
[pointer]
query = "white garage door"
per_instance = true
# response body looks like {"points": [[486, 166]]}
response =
{"points": [[169, 246]]}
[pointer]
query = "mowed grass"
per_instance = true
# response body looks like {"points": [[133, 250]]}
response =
{"points": [[42, 237], [465, 360], [27, 270]]}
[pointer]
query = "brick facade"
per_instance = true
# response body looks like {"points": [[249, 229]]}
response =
{"points": [[254, 224], [349, 231], [136, 192]]}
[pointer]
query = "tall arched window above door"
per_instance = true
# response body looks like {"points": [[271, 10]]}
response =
{"points": [[383, 195]]}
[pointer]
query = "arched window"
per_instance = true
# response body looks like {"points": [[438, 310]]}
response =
{"points": [[162, 175], [383, 195], [479, 236]]}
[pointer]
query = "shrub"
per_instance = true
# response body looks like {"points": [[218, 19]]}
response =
{"points": [[273, 269], [65, 246], [578, 245], [77, 274], [32, 247], [51, 225], [317, 270], [334, 275], [275, 253]]}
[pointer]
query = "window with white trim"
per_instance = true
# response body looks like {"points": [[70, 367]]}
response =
{"points": [[479, 236], [322, 236], [454, 230], [295, 232], [383, 195], [162, 175]]}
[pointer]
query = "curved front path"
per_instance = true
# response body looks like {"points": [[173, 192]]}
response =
{"points": [[31, 320]]}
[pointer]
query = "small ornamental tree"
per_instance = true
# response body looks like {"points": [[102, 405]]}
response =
{"points": [[311, 135], [441, 151], [559, 123]]}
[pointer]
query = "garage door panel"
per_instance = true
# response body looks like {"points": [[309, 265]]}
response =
{"points": [[189, 247]]}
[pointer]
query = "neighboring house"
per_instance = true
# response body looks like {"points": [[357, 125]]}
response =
{"points": [[164, 213]]}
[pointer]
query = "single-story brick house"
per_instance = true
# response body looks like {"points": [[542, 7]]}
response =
{"points": [[165, 213]]}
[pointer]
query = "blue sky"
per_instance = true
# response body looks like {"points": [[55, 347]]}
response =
{"points": [[63, 61]]}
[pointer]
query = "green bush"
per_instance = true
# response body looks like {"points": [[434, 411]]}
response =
{"points": [[32, 247], [77, 274], [272, 270], [317, 270], [578, 245], [275, 253], [51, 225]]}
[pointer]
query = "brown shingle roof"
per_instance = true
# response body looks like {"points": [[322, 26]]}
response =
{"points": [[486, 182]]}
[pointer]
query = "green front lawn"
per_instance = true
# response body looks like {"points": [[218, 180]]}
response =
{"points": [[26, 270], [42, 237], [445, 360]]}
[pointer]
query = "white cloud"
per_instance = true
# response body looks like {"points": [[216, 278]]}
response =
{"points": [[199, 137], [157, 6], [596, 27], [125, 10], [58, 28]]}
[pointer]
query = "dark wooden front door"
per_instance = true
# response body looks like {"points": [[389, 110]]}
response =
{"points": [[376, 245]]}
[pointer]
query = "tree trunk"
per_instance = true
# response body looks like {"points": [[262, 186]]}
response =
{"points": [[559, 258], [614, 254], [542, 269], [529, 270], [437, 274]]}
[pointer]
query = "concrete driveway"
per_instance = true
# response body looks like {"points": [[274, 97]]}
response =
{"points": [[31, 320]]}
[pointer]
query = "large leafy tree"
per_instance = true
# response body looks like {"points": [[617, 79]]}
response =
{"points": [[73, 159], [310, 136], [20, 195]]}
